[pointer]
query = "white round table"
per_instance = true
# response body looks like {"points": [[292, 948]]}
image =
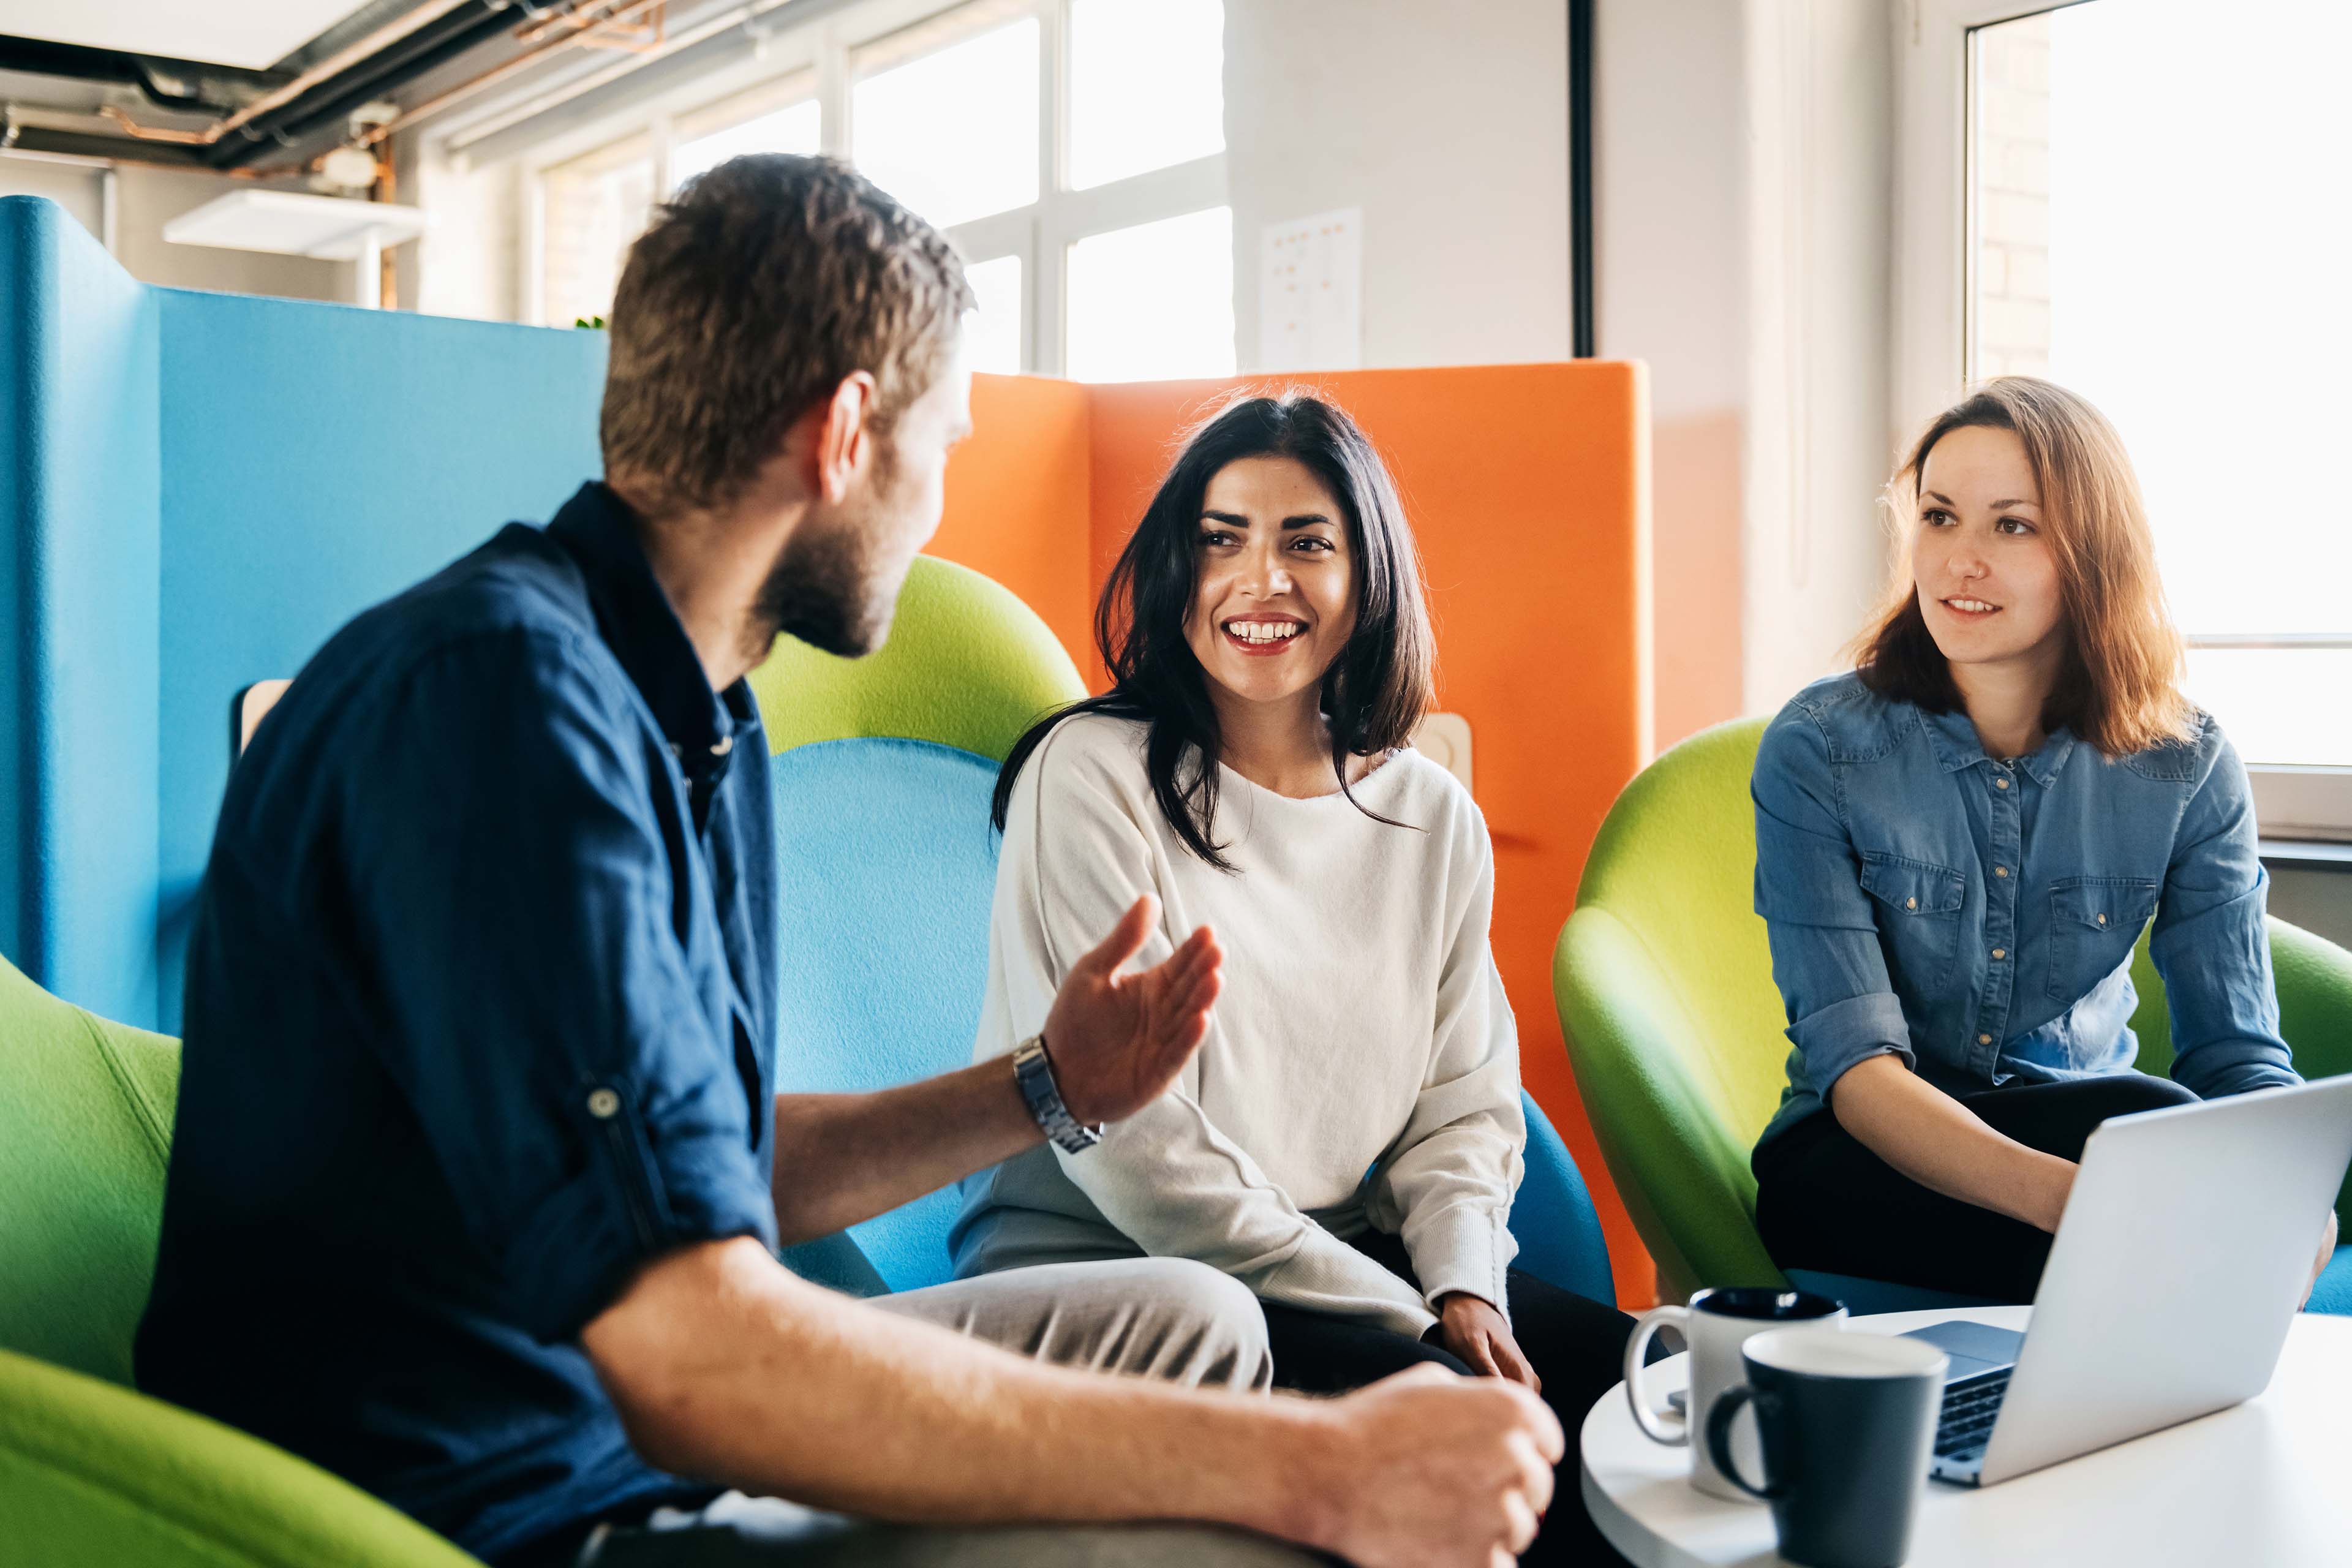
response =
{"points": [[2267, 1484]]}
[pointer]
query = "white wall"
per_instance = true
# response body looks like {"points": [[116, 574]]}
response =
{"points": [[1743, 218], [145, 199], [1670, 208], [1447, 124]]}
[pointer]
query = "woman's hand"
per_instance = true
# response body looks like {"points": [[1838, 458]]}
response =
{"points": [[2327, 1257], [1469, 1326], [1117, 1041]]}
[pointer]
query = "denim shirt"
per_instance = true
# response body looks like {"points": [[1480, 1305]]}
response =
{"points": [[1976, 917]]}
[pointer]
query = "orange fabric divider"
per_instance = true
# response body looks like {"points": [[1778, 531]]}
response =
{"points": [[1528, 487], [1017, 500]]}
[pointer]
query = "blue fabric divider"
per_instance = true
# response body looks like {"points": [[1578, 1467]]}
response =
{"points": [[318, 458], [195, 489], [80, 525]]}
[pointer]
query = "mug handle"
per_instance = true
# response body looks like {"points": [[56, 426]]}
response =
{"points": [[1673, 1432], [1718, 1444]]}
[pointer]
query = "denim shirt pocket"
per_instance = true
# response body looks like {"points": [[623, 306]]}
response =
{"points": [[1919, 918], [2093, 922]]}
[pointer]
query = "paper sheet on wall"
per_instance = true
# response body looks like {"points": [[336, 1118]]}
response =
{"points": [[1311, 292]]}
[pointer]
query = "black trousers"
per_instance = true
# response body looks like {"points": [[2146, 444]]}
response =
{"points": [[1576, 1345], [1823, 1201]]}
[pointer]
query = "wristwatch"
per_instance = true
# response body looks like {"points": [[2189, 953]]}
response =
{"points": [[1034, 1073]]}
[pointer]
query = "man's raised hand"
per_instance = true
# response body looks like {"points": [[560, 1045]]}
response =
{"points": [[1117, 1041]]}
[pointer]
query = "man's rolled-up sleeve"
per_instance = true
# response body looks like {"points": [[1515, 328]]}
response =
{"points": [[1826, 959], [516, 920]]}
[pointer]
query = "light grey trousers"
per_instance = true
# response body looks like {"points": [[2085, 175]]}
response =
{"points": [[1153, 1317]]}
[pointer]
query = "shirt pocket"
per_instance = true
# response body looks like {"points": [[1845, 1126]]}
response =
{"points": [[1918, 918], [2093, 922]]}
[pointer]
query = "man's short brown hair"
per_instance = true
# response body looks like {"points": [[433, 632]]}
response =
{"points": [[766, 282]]}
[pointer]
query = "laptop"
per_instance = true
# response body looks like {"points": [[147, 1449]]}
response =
{"points": [[2185, 1247]]}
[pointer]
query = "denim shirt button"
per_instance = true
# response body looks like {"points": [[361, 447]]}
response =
{"points": [[2001, 783], [602, 1104], [2000, 870], [1984, 1039]]}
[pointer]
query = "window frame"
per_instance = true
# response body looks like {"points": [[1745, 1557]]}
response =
{"points": [[1935, 290], [1039, 234]]}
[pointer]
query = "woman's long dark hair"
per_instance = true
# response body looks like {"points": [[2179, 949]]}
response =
{"points": [[1375, 693]]}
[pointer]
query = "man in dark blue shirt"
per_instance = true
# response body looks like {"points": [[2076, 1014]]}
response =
{"points": [[474, 1195]]}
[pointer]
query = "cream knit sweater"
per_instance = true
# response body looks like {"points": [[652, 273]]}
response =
{"points": [[1361, 1068]]}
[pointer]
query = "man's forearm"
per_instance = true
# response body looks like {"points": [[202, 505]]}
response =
{"points": [[728, 1369], [843, 1158], [1943, 1145]]}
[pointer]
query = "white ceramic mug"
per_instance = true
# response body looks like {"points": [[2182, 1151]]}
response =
{"points": [[1715, 1326]]}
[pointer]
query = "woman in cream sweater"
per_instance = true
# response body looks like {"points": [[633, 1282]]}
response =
{"points": [[1348, 1140]]}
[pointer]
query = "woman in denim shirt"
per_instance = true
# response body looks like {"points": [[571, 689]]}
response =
{"points": [[1957, 846]]}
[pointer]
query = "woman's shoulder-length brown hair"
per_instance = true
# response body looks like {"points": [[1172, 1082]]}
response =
{"points": [[2119, 687]]}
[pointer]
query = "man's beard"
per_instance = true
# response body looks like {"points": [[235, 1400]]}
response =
{"points": [[824, 590]]}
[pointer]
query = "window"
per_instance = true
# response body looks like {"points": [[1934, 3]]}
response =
{"points": [[1059, 144], [992, 333], [1147, 86], [1154, 302], [593, 209], [783, 117], [952, 135], [2149, 222]]}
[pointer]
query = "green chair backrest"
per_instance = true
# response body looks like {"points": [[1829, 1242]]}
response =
{"points": [[1664, 985], [85, 1125], [1664, 978]]}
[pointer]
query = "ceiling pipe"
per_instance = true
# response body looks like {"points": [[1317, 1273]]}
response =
{"points": [[168, 83], [585, 34], [328, 103]]}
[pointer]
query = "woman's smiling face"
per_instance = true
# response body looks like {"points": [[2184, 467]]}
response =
{"points": [[1987, 581], [1274, 597]]}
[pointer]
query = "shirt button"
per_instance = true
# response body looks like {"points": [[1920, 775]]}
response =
{"points": [[2001, 953], [2001, 783], [1910, 903], [2000, 870], [726, 744], [1984, 1039], [603, 1104], [2103, 920]]}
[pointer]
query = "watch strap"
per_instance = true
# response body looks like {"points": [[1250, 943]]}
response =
{"points": [[1032, 1069]]}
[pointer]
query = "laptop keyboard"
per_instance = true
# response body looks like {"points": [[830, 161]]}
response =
{"points": [[1965, 1424]]}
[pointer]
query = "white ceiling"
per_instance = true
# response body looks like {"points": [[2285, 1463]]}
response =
{"points": [[249, 33]]}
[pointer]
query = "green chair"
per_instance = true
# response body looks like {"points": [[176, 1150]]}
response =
{"points": [[90, 1471], [1663, 980]]}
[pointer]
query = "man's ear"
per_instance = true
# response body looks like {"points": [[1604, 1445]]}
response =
{"points": [[845, 436]]}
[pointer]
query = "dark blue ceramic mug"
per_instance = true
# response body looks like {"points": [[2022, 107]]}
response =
{"points": [[1847, 1422]]}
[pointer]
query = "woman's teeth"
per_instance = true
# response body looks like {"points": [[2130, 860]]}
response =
{"points": [[1264, 631], [1977, 605]]}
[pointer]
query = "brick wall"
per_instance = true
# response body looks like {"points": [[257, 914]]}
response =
{"points": [[2009, 313]]}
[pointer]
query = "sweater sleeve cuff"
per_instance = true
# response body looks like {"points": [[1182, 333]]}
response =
{"points": [[1463, 1248]]}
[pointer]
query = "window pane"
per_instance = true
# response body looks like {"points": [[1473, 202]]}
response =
{"points": [[1147, 86], [2279, 705], [953, 134], [992, 333], [795, 129], [1154, 302], [2156, 228], [595, 208]]}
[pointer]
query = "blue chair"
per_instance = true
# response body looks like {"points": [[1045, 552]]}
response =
{"points": [[883, 772]]}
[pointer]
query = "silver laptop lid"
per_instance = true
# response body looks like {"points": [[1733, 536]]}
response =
{"points": [[2185, 1247]]}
